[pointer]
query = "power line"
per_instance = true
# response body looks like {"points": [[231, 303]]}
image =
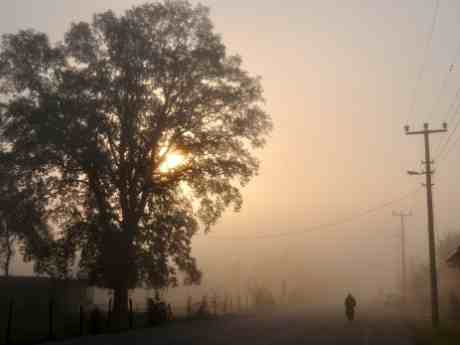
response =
{"points": [[451, 109], [424, 61], [443, 149], [453, 112], [315, 228], [449, 150], [453, 60], [449, 137]]}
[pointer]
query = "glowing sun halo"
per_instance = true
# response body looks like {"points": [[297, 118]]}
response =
{"points": [[172, 161]]}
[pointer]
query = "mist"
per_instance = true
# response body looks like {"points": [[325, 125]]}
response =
{"points": [[341, 80]]}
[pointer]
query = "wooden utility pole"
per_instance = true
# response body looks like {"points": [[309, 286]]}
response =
{"points": [[402, 216], [429, 196]]}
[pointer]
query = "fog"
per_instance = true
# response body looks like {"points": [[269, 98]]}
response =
{"points": [[339, 79]]}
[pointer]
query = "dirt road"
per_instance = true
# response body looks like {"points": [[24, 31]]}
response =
{"points": [[270, 328]]}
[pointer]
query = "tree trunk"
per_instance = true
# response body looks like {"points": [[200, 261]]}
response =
{"points": [[9, 242], [120, 308], [120, 273], [7, 263]]}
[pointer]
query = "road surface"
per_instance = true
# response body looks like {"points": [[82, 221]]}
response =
{"points": [[270, 328]]}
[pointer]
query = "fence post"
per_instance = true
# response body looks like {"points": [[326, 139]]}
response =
{"points": [[10, 322], [82, 320], [248, 304], [189, 306], [109, 313], [50, 319], [239, 303], [131, 319]]}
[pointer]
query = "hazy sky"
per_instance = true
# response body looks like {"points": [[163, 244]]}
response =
{"points": [[339, 78]]}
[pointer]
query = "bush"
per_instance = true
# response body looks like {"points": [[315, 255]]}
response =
{"points": [[263, 297], [157, 312], [203, 311]]}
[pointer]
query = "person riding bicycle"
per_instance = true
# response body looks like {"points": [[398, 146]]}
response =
{"points": [[350, 304]]}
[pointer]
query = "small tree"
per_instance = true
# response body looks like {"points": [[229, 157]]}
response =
{"points": [[22, 218], [142, 127]]}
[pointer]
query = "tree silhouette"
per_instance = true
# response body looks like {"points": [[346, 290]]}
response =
{"points": [[22, 218], [97, 116]]}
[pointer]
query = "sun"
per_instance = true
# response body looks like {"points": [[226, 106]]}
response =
{"points": [[172, 161]]}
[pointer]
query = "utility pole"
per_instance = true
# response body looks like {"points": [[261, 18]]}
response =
{"points": [[429, 196], [402, 216]]}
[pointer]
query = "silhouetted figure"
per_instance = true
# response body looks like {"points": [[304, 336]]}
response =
{"points": [[350, 304]]}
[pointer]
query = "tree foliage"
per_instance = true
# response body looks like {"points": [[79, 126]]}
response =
{"points": [[95, 117], [22, 219]]}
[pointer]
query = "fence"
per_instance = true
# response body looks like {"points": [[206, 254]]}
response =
{"points": [[24, 323]]}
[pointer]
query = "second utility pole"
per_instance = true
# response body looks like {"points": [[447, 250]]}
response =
{"points": [[429, 196], [403, 253]]}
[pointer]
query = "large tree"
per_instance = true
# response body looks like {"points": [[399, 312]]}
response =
{"points": [[142, 127]]}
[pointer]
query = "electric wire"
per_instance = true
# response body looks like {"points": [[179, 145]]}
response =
{"points": [[387, 204], [422, 68], [444, 148], [315, 228], [453, 60], [453, 111], [447, 152]]}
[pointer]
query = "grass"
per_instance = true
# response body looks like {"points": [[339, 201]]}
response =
{"points": [[32, 327], [446, 334]]}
